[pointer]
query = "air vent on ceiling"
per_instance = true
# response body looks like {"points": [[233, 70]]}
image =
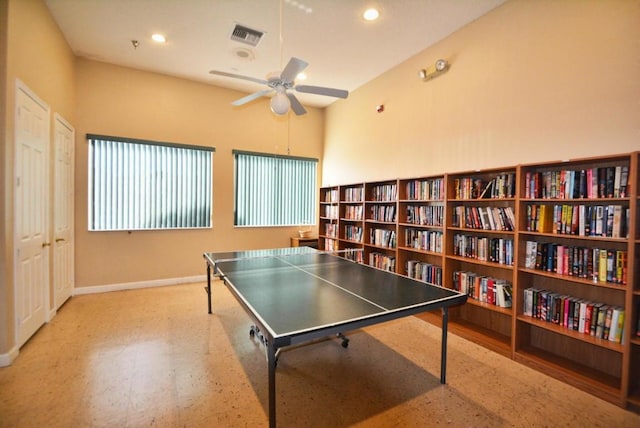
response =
{"points": [[246, 35]]}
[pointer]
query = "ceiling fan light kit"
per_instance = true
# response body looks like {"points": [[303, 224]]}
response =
{"points": [[439, 67], [280, 102]]}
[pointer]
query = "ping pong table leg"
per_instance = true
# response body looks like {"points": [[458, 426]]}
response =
{"points": [[271, 361], [209, 286], [443, 356]]}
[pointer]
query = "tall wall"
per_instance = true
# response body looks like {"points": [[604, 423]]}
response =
{"points": [[5, 341], [118, 101], [530, 81]]}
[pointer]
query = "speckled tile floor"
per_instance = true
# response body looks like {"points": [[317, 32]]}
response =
{"points": [[154, 357]]}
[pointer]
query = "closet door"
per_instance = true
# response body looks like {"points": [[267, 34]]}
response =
{"points": [[31, 214], [63, 200]]}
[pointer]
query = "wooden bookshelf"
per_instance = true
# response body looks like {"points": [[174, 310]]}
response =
{"points": [[352, 215], [480, 224], [329, 214], [421, 220], [471, 230]]}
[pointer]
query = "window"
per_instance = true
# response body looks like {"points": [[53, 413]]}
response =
{"points": [[138, 184], [274, 190]]}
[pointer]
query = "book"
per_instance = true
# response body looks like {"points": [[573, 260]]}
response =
{"points": [[619, 327], [602, 313], [624, 177], [607, 323], [531, 250], [602, 266], [582, 316], [614, 325], [527, 309]]}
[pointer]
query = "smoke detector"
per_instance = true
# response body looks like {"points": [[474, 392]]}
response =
{"points": [[244, 54]]}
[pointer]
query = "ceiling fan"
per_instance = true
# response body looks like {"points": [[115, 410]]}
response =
{"points": [[281, 84]]}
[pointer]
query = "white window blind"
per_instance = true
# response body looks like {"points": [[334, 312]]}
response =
{"points": [[138, 184], [274, 190]]}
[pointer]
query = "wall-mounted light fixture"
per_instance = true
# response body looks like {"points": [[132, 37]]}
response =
{"points": [[434, 70]]}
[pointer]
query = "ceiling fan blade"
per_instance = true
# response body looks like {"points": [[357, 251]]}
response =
{"points": [[251, 97], [319, 90], [297, 108], [293, 68], [238, 76]]}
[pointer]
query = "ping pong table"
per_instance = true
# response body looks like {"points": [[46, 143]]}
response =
{"points": [[296, 295]]}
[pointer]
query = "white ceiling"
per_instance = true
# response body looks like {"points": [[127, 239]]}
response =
{"points": [[343, 50]]}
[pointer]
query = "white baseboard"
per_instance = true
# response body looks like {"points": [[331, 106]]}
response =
{"points": [[136, 285], [7, 359]]}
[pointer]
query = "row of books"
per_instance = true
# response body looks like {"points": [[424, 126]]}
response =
{"points": [[386, 213], [593, 318], [354, 194], [330, 245], [384, 193], [331, 195], [604, 182], [493, 291], [425, 272], [582, 220], [499, 187], [426, 215], [597, 264], [426, 190], [353, 233], [331, 211], [353, 212], [331, 230], [484, 218], [353, 254], [382, 261], [427, 240], [496, 250], [383, 237]]}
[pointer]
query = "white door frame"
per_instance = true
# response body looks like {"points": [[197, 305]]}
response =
{"points": [[63, 209], [20, 339]]}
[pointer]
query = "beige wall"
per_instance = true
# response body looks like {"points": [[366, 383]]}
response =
{"points": [[118, 101], [38, 55], [5, 303], [530, 81]]}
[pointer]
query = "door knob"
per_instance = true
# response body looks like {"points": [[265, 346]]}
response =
{"points": [[46, 244], [59, 239]]}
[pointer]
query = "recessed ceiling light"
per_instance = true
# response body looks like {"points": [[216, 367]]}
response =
{"points": [[371, 14], [158, 38]]}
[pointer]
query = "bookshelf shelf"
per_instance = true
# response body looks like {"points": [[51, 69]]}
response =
{"points": [[480, 262], [575, 237], [583, 377], [419, 251], [490, 307], [616, 347], [575, 279], [447, 229], [420, 226], [482, 231]]}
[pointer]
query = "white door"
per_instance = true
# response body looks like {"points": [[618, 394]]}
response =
{"points": [[31, 213], [63, 197]]}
